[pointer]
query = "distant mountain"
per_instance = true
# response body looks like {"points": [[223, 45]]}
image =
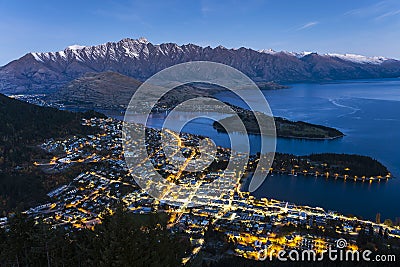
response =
{"points": [[139, 59]]}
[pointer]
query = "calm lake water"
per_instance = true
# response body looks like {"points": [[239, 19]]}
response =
{"points": [[367, 111]]}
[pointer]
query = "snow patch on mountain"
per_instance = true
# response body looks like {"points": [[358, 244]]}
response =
{"points": [[76, 47], [37, 57], [359, 58], [267, 51]]}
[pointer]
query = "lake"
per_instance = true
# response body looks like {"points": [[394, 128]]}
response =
{"points": [[367, 111]]}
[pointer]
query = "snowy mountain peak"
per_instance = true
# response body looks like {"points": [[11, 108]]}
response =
{"points": [[139, 48], [302, 54], [127, 47], [358, 58], [267, 51], [140, 59], [142, 40], [75, 47]]}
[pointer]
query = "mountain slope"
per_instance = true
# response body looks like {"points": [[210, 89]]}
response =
{"points": [[105, 90], [139, 59]]}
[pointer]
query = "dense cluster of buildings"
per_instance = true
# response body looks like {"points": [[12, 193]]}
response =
{"points": [[197, 201]]}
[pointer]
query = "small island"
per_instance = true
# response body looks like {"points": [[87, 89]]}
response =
{"points": [[331, 165]]}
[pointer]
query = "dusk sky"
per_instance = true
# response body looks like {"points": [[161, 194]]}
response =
{"points": [[364, 27]]}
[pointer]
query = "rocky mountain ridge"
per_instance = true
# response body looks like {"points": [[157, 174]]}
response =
{"points": [[139, 59]]}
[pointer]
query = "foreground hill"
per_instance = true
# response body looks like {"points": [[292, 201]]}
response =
{"points": [[139, 59], [22, 127]]}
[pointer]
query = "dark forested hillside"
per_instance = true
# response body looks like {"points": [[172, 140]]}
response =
{"points": [[22, 127], [26, 123]]}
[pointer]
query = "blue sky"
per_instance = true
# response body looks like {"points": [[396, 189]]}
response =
{"points": [[358, 26]]}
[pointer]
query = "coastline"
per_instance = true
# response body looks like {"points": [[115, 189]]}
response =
{"points": [[312, 138], [296, 137]]}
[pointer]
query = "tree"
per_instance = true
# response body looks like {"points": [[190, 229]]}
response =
{"points": [[378, 218], [16, 245], [388, 222]]}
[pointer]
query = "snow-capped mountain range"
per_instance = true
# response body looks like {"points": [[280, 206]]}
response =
{"points": [[349, 57], [138, 58]]}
